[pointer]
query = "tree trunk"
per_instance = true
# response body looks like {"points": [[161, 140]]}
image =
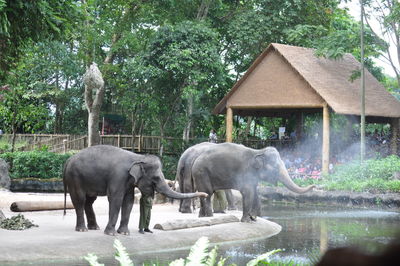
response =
{"points": [[188, 127], [248, 126], [93, 80], [93, 128]]}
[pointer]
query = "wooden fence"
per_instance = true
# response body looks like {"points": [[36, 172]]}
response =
{"points": [[138, 143]]}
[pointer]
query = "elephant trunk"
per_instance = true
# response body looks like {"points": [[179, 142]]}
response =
{"points": [[287, 181], [164, 189]]}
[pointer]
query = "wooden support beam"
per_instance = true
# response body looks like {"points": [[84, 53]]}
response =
{"points": [[394, 128], [229, 124], [325, 140], [299, 125]]}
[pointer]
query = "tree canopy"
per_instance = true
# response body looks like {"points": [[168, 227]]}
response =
{"points": [[165, 64]]}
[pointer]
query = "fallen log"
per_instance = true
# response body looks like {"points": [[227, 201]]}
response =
{"points": [[190, 223], [25, 206]]}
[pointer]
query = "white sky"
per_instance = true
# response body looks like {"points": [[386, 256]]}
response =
{"points": [[354, 10]]}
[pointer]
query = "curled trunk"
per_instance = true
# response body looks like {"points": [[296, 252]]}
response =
{"points": [[164, 189]]}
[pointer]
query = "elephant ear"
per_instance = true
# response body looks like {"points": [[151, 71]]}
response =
{"points": [[258, 161], [137, 171]]}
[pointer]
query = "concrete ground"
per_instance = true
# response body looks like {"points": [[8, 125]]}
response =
{"points": [[56, 242]]}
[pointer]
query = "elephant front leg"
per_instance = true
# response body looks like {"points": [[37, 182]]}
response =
{"points": [[256, 210], [113, 212], [248, 201], [184, 206], [126, 209]]}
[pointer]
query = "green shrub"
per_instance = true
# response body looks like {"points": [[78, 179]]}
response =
{"points": [[37, 164], [169, 166], [376, 175]]}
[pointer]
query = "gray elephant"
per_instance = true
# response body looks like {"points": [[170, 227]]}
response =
{"points": [[184, 172], [234, 166], [106, 170], [184, 176]]}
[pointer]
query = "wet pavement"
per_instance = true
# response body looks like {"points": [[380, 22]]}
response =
{"points": [[56, 242]]}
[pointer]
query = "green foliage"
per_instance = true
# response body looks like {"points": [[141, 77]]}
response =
{"points": [[262, 258], [17, 222], [24, 22], [198, 256], [376, 175], [169, 166], [37, 164], [19, 108], [121, 255]]}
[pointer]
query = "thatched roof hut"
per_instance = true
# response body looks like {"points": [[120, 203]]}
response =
{"points": [[285, 79]]}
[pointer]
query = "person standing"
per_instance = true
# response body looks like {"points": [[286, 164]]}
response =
{"points": [[146, 204], [213, 136]]}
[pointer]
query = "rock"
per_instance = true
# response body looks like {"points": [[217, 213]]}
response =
{"points": [[190, 223], [4, 177]]}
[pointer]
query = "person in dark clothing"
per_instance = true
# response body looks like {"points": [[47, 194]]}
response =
{"points": [[146, 204]]}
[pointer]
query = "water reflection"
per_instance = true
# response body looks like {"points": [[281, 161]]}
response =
{"points": [[307, 231]]}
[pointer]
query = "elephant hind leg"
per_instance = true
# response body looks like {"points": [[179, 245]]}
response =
{"points": [[78, 200], [90, 215], [205, 209]]}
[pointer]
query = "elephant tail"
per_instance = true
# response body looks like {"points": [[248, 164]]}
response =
{"points": [[65, 188]]}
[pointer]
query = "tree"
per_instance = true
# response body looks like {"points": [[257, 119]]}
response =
{"points": [[387, 14], [106, 25], [20, 109], [25, 22], [181, 64], [53, 70], [94, 86]]}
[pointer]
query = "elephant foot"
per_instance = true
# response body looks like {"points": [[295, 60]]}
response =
{"points": [[93, 227], [248, 219], [203, 213], [123, 231], [110, 231], [185, 210], [81, 229]]}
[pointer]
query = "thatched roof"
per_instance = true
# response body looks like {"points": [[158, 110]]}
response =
{"points": [[289, 77]]}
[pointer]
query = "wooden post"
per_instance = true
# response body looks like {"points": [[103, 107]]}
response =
{"points": [[394, 128], [325, 140], [119, 141], [299, 125], [229, 124], [65, 141]]}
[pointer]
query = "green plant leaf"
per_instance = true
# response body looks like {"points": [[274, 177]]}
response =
{"points": [[262, 257], [121, 255]]}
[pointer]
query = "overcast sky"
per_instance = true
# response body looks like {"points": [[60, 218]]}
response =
{"points": [[354, 10]]}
